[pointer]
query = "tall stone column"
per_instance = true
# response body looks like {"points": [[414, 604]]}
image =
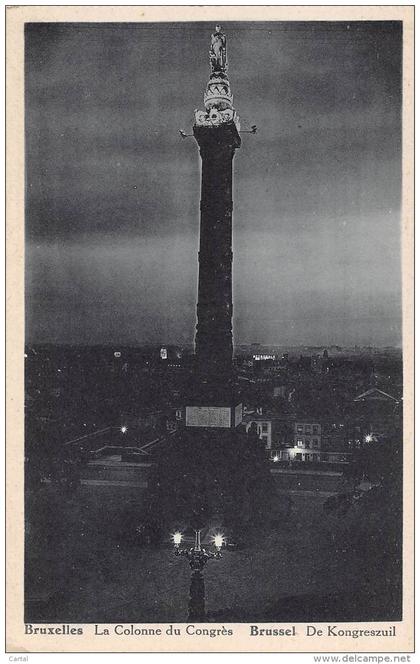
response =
{"points": [[214, 308], [216, 129]]}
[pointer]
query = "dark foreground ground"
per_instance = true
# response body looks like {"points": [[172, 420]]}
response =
{"points": [[84, 563]]}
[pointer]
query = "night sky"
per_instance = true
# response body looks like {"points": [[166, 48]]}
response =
{"points": [[112, 206]]}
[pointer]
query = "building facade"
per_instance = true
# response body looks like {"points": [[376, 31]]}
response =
{"points": [[302, 440], [307, 441]]}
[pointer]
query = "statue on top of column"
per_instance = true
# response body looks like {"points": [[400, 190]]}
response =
{"points": [[218, 61]]}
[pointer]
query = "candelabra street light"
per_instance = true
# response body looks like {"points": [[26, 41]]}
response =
{"points": [[197, 557]]}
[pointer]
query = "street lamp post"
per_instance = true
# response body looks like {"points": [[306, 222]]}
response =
{"points": [[197, 557]]}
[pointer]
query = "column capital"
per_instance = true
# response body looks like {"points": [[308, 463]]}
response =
{"points": [[213, 139]]}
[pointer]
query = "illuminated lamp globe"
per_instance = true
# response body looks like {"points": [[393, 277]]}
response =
{"points": [[218, 541], [177, 538]]}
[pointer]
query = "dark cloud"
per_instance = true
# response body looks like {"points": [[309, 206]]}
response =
{"points": [[113, 192]]}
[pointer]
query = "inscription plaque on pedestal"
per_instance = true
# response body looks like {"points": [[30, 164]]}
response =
{"points": [[207, 416], [221, 417]]}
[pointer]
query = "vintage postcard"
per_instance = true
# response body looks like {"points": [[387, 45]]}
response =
{"points": [[209, 329]]}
